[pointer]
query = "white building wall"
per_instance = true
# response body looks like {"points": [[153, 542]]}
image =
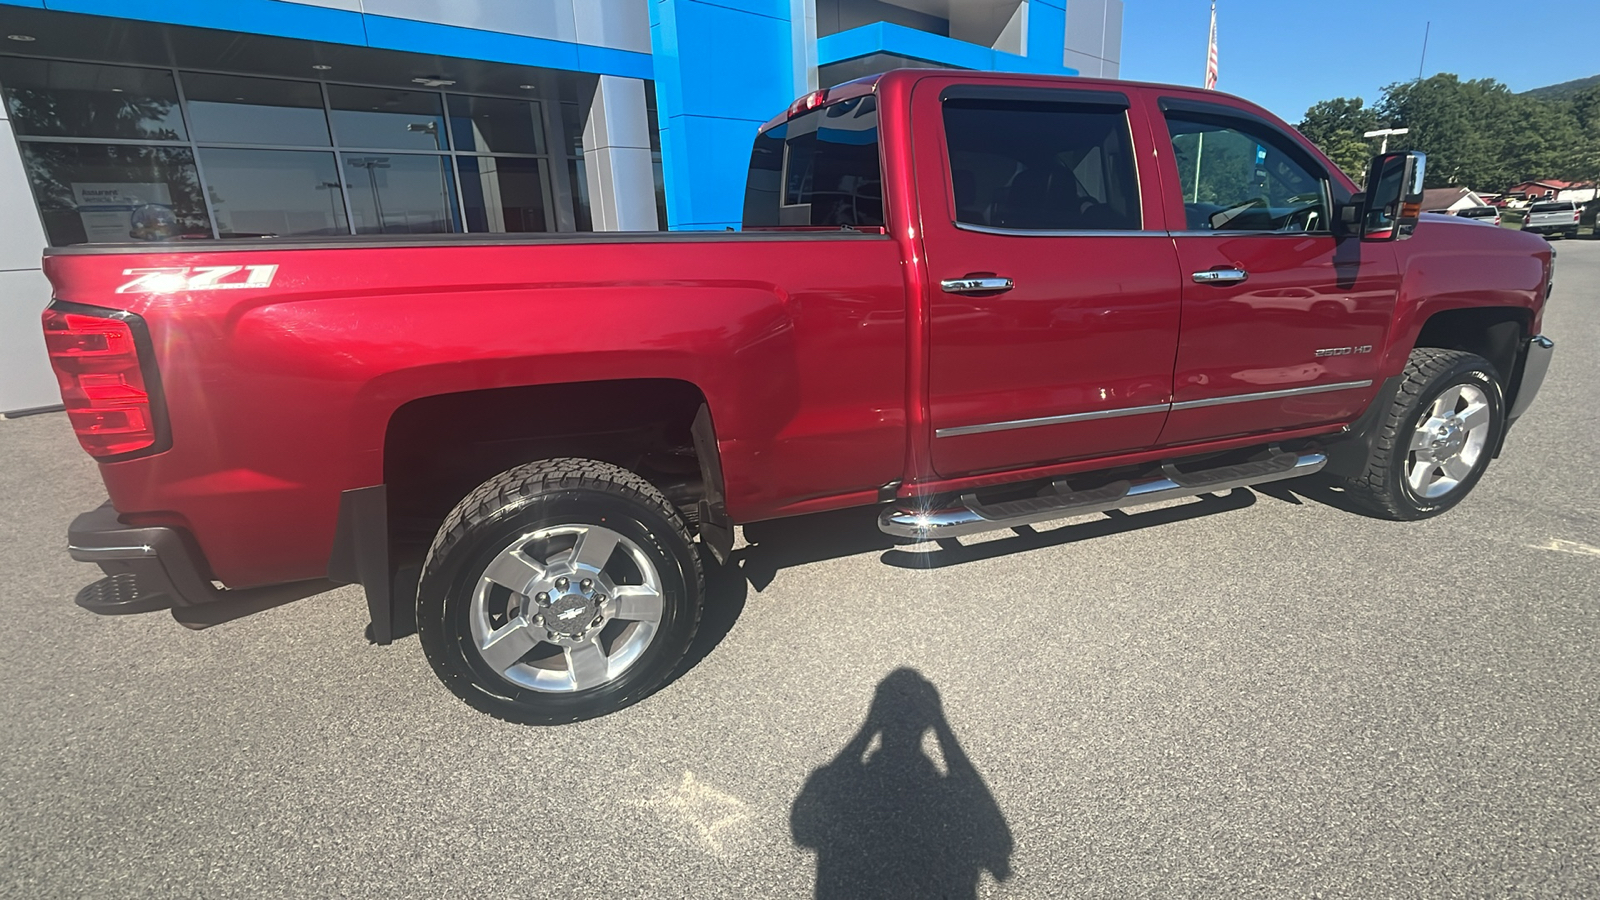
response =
{"points": [[25, 378], [1094, 38]]}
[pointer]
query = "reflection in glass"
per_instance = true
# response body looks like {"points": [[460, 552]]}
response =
{"points": [[573, 119], [578, 175], [99, 193], [379, 117], [233, 110], [488, 125], [503, 194], [394, 193], [65, 99], [263, 193]]}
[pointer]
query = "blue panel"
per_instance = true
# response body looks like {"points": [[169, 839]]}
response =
{"points": [[1047, 32], [610, 61], [732, 64], [883, 37], [709, 189], [291, 20], [32, 4], [722, 68]]}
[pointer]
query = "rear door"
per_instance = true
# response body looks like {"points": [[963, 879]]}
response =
{"points": [[1054, 286], [1282, 321]]}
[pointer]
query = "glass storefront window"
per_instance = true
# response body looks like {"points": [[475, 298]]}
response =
{"points": [[379, 117], [393, 193], [490, 125], [266, 193], [504, 194], [232, 110], [115, 193], [63, 99], [582, 218]]}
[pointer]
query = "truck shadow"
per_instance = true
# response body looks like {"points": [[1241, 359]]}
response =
{"points": [[1315, 488]]}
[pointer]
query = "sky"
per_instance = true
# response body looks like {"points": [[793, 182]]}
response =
{"points": [[1288, 54]]}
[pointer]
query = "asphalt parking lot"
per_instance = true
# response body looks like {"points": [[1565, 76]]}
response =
{"points": [[1257, 695]]}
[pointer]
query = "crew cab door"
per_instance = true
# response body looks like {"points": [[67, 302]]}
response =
{"points": [[1053, 287], [1283, 323]]}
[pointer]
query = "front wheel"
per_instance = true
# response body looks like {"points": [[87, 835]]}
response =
{"points": [[1436, 440], [558, 591]]}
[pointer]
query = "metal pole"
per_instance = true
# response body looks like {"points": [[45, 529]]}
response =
{"points": [[1421, 62]]}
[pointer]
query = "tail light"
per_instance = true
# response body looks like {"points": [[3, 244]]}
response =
{"points": [[111, 394]]}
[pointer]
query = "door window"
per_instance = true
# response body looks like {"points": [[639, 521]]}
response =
{"points": [[1041, 165], [1238, 177]]}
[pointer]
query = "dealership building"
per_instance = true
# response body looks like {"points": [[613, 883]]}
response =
{"points": [[200, 120]]}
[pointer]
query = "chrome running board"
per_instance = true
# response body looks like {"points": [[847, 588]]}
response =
{"points": [[973, 517]]}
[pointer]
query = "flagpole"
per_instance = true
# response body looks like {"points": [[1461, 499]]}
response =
{"points": [[1210, 84]]}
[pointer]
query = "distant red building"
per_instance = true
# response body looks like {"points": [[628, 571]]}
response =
{"points": [[1534, 190]]}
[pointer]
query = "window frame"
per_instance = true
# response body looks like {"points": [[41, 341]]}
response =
{"points": [[1247, 123], [1075, 97]]}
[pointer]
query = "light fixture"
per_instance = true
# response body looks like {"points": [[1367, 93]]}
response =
{"points": [[433, 82], [24, 38], [116, 90], [527, 87], [321, 68]]}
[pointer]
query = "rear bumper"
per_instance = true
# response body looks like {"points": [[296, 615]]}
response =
{"points": [[147, 569]]}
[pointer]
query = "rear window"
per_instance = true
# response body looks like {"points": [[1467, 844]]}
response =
{"points": [[1552, 207], [1476, 212], [818, 169]]}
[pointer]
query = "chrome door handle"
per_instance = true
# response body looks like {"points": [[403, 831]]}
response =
{"points": [[1221, 276], [976, 285]]}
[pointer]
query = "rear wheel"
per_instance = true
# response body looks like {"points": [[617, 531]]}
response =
{"points": [[1436, 440], [559, 591]]}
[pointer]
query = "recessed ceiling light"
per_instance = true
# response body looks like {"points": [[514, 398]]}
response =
{"points": [[321, 68], [527, 87], [433, 82], [116, 90], [25, 38]]}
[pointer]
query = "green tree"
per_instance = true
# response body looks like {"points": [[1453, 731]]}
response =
{"points": [[1336, 126]]}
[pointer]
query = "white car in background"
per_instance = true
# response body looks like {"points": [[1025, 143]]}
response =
{"points": [[1488, 215]]}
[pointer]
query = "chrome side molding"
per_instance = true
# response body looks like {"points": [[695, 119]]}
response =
{"points": [[971, 516]]}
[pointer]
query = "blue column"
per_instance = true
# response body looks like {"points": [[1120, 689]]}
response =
{"points": [[722, 69], [1047, 32]]}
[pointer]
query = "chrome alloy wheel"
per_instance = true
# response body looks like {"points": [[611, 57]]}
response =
{"points": [[1449, 441], [566, 608]]}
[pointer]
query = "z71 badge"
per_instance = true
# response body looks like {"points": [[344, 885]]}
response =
{"points": [[200, 278]]}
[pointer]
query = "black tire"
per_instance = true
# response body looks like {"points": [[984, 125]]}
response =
{"points": [[1382, 490], [526, 499]]}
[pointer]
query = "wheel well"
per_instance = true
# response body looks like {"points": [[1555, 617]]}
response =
{"points": [[1494, 333], [437, 449]]}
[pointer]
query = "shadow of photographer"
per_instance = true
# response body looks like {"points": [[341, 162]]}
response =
{"points": [[886, 820]]}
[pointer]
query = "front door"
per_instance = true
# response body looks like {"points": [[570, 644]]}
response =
{"points": [[1283, 323], [1054, 307]]}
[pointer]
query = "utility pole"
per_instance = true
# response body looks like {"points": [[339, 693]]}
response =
{"points": [[1384, 133]]}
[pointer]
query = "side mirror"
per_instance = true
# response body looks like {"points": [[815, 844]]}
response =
{"points": [[1393, 197]]}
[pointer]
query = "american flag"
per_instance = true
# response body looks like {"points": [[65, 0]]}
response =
{"points": [[1211, 53]]}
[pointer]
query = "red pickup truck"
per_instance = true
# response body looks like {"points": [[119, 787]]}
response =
{"points": [[977, 300]]}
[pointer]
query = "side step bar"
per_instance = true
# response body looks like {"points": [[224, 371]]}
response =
{"points": [[974, 517]]}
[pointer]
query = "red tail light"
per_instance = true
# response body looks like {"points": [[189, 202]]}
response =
{"points": [[103, 384]]}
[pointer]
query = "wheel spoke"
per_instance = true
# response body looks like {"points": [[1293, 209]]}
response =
{"points": [[593, 549], [508, 645], [638, 603], [1475, 415], [514, 571], [1421, 474], [587, 662], [1446, 402], [1422, 438], [1457, 468]]}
